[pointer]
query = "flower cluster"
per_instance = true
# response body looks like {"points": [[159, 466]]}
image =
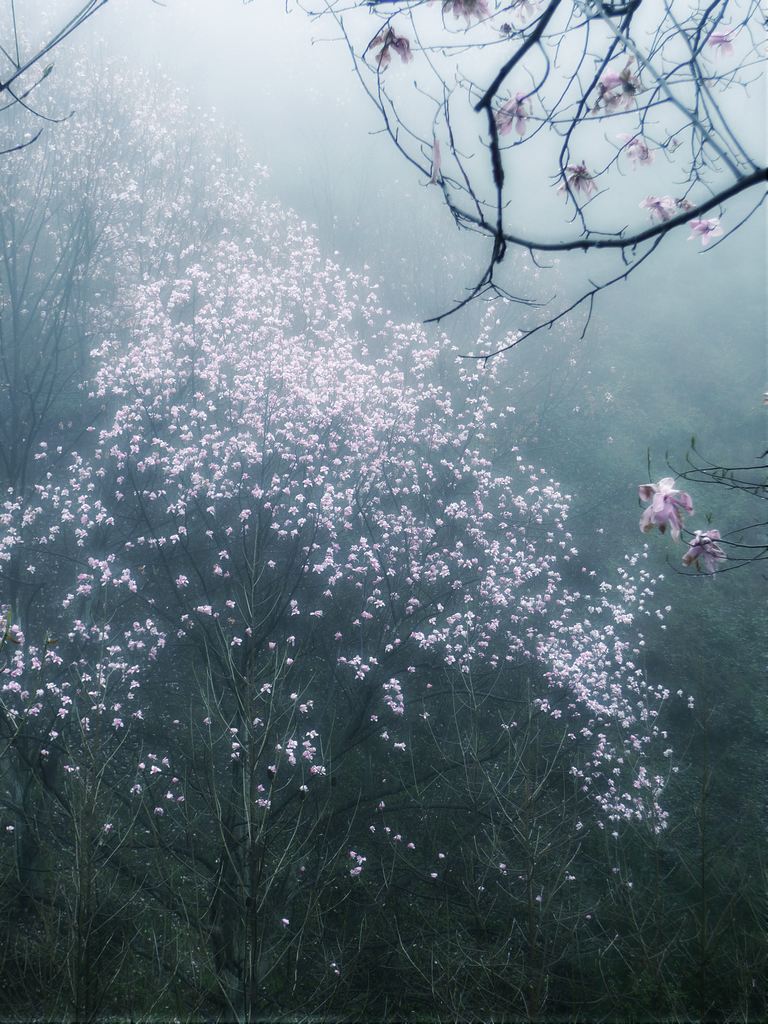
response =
{"points": [[666, 505], [388, 41], [666, 508], [617, 90], [513, 114], [467, 9]]}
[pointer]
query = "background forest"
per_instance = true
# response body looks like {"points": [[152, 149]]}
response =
{"points": [[338, 681]]}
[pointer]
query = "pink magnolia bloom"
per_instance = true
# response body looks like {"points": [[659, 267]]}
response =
{"points": [[522, 10], [579, 179], [665, 508], [514, 113], [467, 9], [617, 89], [722, 43], [637, 149], [704, 546], [436, 163], [705, 229], [662, 208], [389, 40]]}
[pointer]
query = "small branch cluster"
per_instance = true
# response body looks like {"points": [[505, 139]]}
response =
{"points": [[534, 118]]}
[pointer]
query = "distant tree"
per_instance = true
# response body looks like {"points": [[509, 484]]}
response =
{"points": [[298, 594], [563, 126]]}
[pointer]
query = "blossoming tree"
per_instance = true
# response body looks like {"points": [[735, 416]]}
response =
{"points": [[297, 593]]}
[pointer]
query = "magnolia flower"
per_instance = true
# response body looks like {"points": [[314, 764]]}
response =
{"points": [[578, 179], [704, 546], [514, 113], [662, 208], [388, 40], [617, 89], [722, 43], [522, 10], [636, 149], [666, 505], [436, 162], [467, 9], [705, 229]]}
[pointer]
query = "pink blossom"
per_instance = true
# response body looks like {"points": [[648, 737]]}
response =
{"points": [[467, 9], [722, 43], [662, 208], [578, 179], [617, 89], [514, 113], [666, 505], [705, 229], [388, 40], [704, 546], [522, 10], [436, 162], [637, 149]]}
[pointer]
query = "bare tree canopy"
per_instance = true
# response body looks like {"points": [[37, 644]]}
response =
{"points": [[570, 126], [23, 68]]}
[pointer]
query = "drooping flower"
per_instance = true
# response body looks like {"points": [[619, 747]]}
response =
{"points": [[523, 10], [578, 179], [661, 208], [665, 508], [436, 162], [704, 547], [722, 43], [617, 89], [637, 149], [467, 9], [513, 114], [388, 40], [705, 229]]}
